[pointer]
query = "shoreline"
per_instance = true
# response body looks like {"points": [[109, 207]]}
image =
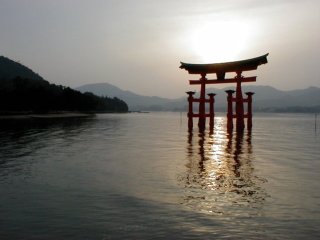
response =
{"points": [[46, 115]]}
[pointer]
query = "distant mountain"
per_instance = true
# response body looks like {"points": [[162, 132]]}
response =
{"points": [[135, 101], [23, 91], [266, 98]]}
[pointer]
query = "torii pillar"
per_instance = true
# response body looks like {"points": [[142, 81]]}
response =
{"points": [[202, 103], [239, 104]]}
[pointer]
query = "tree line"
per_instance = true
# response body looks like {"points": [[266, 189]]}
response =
{"points": [[39, 96]]}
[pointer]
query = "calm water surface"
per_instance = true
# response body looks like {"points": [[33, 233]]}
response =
{"points": [[143, 176]]}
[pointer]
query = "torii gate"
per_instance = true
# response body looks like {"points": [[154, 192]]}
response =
{"points": [[220, 69]]}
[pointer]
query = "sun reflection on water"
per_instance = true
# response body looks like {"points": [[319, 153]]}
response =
{"points": [[220, 173]]}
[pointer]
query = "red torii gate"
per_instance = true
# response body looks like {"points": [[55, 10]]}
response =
{"points": [[220, 69]]}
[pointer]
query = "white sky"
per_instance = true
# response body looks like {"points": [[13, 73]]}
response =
{"points": [[137, 45]]}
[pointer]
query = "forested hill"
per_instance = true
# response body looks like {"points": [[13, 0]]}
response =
{"points": [[22, 90], [10, 69]]}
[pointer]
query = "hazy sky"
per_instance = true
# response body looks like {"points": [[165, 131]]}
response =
{"points": [[137, 45]]}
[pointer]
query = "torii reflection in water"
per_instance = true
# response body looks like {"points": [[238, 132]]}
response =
{"points": [[220, 169]]}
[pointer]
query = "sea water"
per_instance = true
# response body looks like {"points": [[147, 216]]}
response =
{"points": [[144, 176]]}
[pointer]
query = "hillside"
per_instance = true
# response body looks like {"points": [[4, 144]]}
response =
{"points": [[23, 91], [10, 69], [266, 98]]}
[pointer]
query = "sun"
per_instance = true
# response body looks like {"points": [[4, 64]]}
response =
{"points": [[220, 41]]}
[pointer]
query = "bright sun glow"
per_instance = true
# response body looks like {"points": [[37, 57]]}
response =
{"points": [[220, 41]]}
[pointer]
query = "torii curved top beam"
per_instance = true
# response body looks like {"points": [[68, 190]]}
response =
{"points": [[221, 68]]}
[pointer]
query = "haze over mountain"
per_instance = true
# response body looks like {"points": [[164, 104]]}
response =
{"points": [[135, 101], [266, 98]]}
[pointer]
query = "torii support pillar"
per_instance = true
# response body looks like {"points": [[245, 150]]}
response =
{"points": [[249, 114], [230, 110], [190, 111], [211, 114]]}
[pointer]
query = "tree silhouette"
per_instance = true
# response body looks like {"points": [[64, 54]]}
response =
{"points": [[39, 96]]}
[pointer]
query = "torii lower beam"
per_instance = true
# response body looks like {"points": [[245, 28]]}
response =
{"points": [[216, 81]]}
